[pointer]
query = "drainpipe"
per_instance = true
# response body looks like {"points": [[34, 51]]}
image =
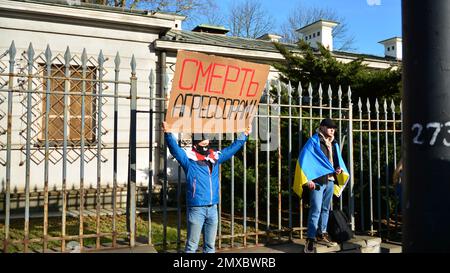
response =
{"points": [[426, 126]]}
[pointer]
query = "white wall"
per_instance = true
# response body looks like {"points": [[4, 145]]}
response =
{"points": [[110, 41]]}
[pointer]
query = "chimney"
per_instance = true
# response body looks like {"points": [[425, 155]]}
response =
{"points": [[269, 37], [212, 29], [393, 47], [177, 19], [319, 31]]}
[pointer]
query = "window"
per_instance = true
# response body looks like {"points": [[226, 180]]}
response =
{"points": [[314, 34], [393, 47], [318, 34], [56, 114]]}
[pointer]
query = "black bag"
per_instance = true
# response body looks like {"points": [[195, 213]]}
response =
{"points": [[339, 227]]}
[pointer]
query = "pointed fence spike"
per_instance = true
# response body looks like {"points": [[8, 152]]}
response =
{"points": [[133, 64], [385, 106], [30, 53], [300, 89], [67, 56], [48, 54], [12, 51], [368, 105], [310, 90], [117, 61], [151, 77], [359, 104], [377, 106], [349, 92], [330, 92], [320, 90], [84, 59], [340, 92], [392, 106], [101, 58]]}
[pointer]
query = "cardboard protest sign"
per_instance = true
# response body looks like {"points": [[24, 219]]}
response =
{"points": [[212, 94]]}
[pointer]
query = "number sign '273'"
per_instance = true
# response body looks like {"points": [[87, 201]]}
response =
{"points": [[438, 136], [212, 94]]}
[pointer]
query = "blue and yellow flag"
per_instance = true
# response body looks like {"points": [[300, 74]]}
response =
{"points": [[313, 163]]}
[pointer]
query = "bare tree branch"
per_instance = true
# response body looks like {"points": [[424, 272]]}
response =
{"points": [[205, 12], [248, 19], [194, 10], [211, 14], [302, 16]]}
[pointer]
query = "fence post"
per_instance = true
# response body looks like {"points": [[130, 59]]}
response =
{"points": [[426, 127], [48, 56], [268, 157], [131, 186], [279, 152], [150, 156], [300, 145], [351, 200], [361, 166], [290, 157], [84, 60], [67, 59], [30, 56], [101, 61], [115, 140], [164, 80], [12, 55]]}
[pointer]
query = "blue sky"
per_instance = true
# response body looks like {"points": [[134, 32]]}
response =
{"points": [[369, 21]]}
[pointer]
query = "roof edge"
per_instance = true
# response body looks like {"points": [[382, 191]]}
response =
{"points": [[320, 20]]}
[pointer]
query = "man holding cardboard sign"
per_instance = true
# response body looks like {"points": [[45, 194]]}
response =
{"points": [[201, 166], [209, 95]]}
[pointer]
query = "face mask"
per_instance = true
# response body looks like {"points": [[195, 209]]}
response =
{"points": [[203, 150]]}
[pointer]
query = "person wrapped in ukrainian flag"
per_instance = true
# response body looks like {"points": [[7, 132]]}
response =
{"points": [[320, 168]]}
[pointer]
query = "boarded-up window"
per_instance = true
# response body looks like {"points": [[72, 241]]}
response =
{"points": [[74, 115]]}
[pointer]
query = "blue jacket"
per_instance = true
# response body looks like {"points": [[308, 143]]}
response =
{"points": [[202, 184]]}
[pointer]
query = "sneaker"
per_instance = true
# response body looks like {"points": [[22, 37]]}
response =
{"points": [[310, 245], [324, 238]]}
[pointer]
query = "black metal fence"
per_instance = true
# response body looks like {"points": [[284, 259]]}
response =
{"points": [[81, 123]]}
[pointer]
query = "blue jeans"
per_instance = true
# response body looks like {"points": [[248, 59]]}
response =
{"points": [[319, 210], [201, 220]]}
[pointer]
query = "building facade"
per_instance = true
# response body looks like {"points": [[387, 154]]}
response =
{"points": [[153, 39]]}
